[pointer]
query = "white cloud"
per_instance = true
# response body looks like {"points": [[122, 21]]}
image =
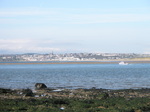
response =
{"points": [[26, 45], [69, 16], [109, 18], [64, 26], [77, 19], [146, 53], [12, 12]]}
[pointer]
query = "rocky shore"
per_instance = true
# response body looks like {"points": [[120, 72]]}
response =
{"points": [[75, 100], [73, 93]]}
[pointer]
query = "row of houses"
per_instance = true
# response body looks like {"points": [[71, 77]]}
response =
{"points": [[71, 56]]}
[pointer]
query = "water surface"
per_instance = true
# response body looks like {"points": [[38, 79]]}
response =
{"points": [[108, 76]]}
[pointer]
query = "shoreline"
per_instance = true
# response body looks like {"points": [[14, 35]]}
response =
{"points": [[76, 62], [64, 93]]}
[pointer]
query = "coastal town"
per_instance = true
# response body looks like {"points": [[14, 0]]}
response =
{"points": [[71, 57]]}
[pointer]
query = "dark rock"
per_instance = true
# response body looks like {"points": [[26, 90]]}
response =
{"points": [[27, 92], [93, 87], [40, 86], [2, 90]]}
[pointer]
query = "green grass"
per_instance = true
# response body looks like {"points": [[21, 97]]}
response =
{"points": [[117, 104]]}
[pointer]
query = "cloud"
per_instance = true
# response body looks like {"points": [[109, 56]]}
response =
{"points": [[69, 16], [14, 12], [109, 18], [26, 45], [69, 28], [146, 53]]}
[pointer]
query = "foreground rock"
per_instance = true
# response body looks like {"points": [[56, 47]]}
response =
{"points": [[40, 86], [27, 92], [3, 91]]}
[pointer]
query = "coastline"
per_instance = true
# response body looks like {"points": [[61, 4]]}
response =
{"points": [[76, 62]]}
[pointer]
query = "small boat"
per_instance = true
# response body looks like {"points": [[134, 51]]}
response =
{"points": [[123, 63]]}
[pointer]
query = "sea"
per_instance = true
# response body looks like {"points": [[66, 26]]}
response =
{"points": [[74, 76]]}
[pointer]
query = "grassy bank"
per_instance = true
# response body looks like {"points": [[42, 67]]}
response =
{"points": [[80, 100]]}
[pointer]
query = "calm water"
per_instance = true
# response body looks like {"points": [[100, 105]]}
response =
{"points": [[108, 76]]}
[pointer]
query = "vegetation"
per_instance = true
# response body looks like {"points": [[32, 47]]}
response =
{"points": [[80, 100], [118, 104], [76, 105]]}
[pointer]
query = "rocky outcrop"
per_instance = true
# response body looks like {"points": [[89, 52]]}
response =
{"points": [[40, 86], [27, 92], [2, 90]]}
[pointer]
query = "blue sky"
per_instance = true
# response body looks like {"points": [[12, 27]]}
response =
{"points": [[63, 26]]}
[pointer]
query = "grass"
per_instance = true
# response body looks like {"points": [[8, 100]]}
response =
{"points": [[113, 104]]}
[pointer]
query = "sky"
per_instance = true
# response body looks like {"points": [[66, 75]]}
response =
{"points": [[74, 26]]}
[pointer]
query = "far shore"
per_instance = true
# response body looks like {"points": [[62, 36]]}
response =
{"points": [[129, 61]]}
